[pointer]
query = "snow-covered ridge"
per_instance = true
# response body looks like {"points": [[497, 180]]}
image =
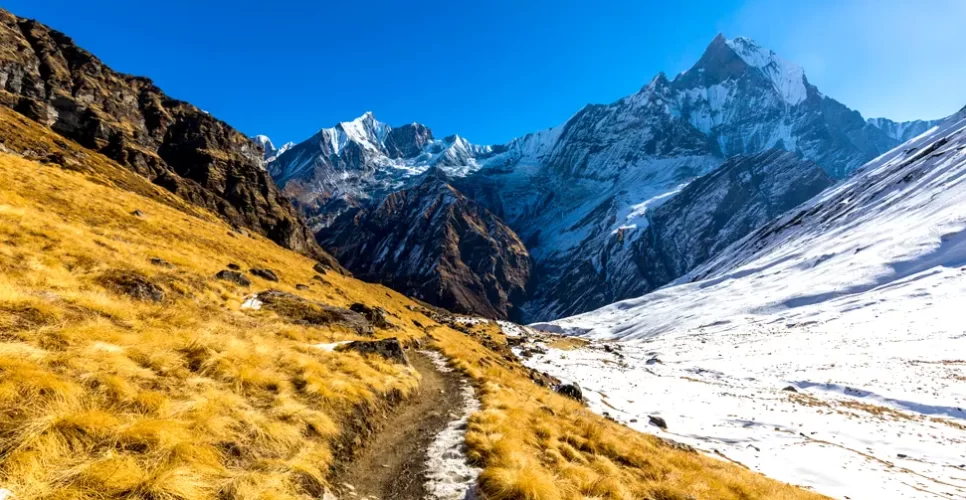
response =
{"points": [[271, 152], [903, 131], [788, 78]]}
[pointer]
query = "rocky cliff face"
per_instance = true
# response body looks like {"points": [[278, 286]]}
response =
{"points": [[673, 236], [431, 242], [48, 78]]}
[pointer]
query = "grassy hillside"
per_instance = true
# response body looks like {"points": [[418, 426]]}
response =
{"points": [[107, 393]]}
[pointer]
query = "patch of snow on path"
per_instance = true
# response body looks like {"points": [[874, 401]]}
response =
{"points": [[448, 473]]}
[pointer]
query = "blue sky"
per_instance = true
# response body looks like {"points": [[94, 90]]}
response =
{"points": [[494, 70]]}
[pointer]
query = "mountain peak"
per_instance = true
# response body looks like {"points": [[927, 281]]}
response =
{"points": [[264, 141], [726, 59]]}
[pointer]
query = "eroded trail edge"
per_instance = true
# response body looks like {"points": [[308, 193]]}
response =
{"points": [[418, 451]]}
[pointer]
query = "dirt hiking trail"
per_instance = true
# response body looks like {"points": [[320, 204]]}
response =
{"points": [[392, 464]]}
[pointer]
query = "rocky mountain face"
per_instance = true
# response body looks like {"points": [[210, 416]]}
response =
{"points": [[676, 234], [46, 77], [581, 195], [437, 245]]}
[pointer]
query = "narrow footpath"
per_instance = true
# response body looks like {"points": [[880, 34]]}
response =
{"points": [[392, 465]]}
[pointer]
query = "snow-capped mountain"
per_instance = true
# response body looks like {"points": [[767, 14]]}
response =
{"points": [[363, 160], [893, 232], [903, 131], [438, 245], [664, 239], [271, 152], [578, 194], [823, 349]]}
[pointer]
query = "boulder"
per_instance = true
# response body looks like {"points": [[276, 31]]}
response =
{"points": [[389, 349], [233, 266], [299, 286], [790, 388], [161, 263], [657, 421], [571, 390], [375, 315], [133, 285], [265, 274], [234, 277], [309, 312]]}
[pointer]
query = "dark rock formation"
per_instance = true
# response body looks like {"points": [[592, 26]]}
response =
{"points": [[571, 390], [133, 285], [308, 312], [375, 315], [407, 141], [48, 78], [657, 421], [389, 349], [234, 277], [433, 243], [265, 274]]}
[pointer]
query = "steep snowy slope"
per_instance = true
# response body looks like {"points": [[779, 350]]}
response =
{"points": [[576, 194], [825, 349], [894, 227], [665, 238]]}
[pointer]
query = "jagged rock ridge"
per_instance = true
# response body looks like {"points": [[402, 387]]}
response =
{"points": [[48, 78], [437, 245]]}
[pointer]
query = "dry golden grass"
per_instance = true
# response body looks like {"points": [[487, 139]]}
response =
{"points": [[106, 396], [567, 343]]}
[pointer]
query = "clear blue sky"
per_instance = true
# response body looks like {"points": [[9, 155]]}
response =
{"points": [[494, 70]]}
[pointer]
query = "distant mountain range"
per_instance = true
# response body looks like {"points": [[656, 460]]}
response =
{"points": [[584, 196]]}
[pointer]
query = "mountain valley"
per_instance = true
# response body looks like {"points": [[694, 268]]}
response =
{"points": [[581, 196], [726, 285]]}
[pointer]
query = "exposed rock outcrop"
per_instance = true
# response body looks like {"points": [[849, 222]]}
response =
{"points": [[48, 78], [309, 312], [234, 277], [389, 349]]}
